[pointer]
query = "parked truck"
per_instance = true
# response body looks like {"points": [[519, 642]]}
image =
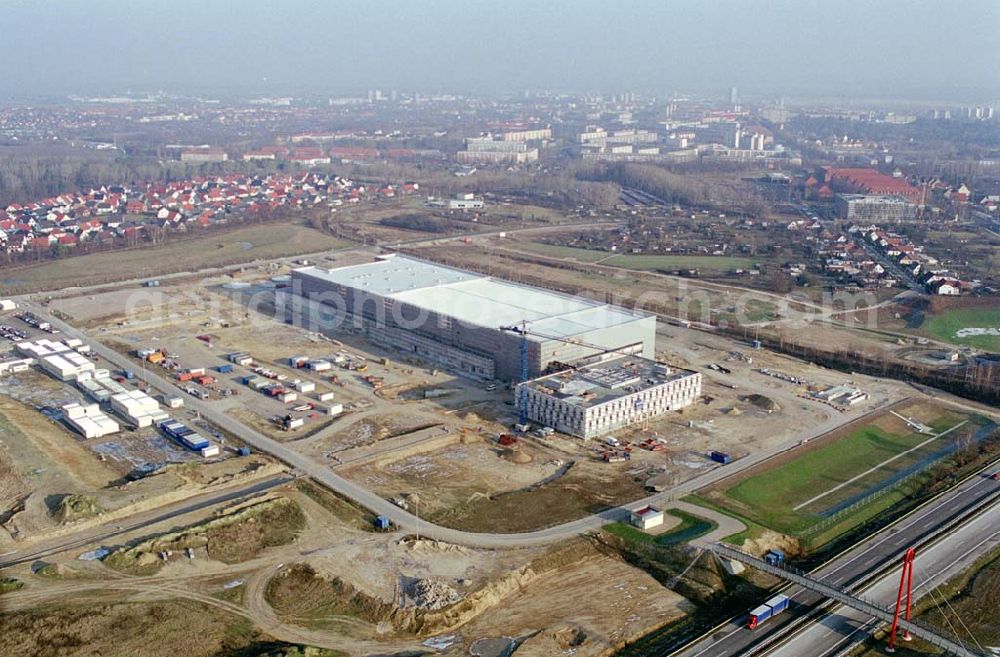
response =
{"points": [[775, 557], [772, 607]]}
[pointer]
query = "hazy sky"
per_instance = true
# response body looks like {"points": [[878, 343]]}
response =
{"points": [[924, 49]]}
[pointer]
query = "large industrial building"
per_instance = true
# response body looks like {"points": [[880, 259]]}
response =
{"points": [[609, 394], [454, 317]]}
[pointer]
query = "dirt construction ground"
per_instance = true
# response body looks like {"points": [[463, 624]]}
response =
{"points": [[440, 456], [582, 610], [611, 601], [442, 452], [42, 461]]}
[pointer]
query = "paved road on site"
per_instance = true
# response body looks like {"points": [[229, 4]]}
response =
{"points": [[108, 530], [956, 551], [868, 556], [407, 521]]}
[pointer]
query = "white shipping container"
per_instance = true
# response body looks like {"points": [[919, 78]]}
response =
{"points": [[334, 409], [59, 367], [143, 420], [17, 365]]}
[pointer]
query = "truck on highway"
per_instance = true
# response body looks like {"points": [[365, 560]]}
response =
{"points": [[772, 607]]}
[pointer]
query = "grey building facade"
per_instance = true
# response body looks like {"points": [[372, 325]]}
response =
{"points": [[453, 317]]}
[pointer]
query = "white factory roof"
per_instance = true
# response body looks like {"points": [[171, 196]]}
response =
{"points": [[475, 299], [606, 380]]}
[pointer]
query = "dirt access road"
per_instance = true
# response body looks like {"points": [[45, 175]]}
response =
{"points": [[108, 530]]}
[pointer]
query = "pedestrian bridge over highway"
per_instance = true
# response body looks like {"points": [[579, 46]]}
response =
{"points": [[868, 607]]}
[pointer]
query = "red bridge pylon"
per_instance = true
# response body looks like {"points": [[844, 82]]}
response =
{"points": [[905, 580]]}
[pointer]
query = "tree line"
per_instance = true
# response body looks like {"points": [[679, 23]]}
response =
{"points": [[674, 188]]}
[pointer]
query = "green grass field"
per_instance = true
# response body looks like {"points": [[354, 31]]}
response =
{"points": [[208, 249], [945, 326], [641, 262], [770, 498], [553, 251], [651, 262], [690, 528]]}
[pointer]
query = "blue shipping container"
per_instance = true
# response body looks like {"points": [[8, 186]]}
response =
{"points": [[224, 369], [720, 457], [759, 615], [778, 604]]}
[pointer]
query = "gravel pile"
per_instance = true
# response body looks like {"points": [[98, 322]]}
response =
{"points": [[433, 595]]}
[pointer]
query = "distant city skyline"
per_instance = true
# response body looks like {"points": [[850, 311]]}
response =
{"points": [[905, 50]]}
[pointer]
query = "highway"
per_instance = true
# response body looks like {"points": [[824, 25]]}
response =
{"points": [[94, 534], [934, 565], [887, 546], [405, 520]]}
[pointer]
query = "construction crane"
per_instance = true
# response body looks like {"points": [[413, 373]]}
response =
{"points": [[522, 406], [522, 330]]}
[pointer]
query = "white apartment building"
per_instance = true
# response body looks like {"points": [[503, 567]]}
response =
{"points": [[528, 135], [875, 209], [487, 150]]}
